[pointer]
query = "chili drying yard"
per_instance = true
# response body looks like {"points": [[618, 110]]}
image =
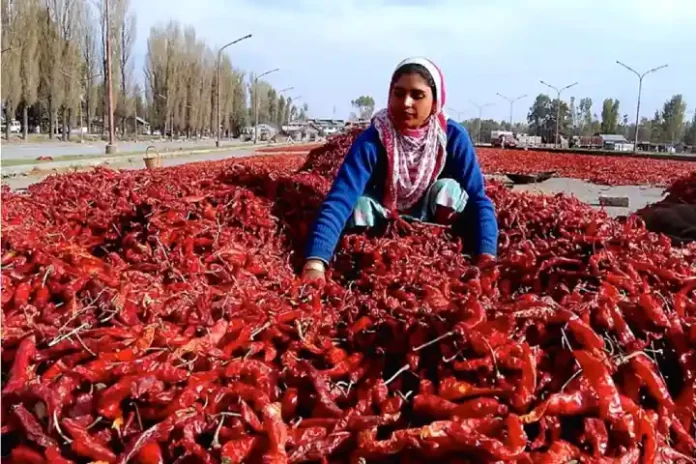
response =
{"points": [[157, 316]]}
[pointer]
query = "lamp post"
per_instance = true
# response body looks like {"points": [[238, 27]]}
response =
{"points": [[640, 90], [558, 109], [512, 103], [111, 146], [458, 113], [256, 101], [217, 87], [480, 118], [82, 81]]}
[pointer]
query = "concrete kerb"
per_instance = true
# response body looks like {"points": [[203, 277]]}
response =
{"points": [[87, 162]]}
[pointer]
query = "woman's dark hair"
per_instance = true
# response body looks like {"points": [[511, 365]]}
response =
{"points": [[413, 68]]}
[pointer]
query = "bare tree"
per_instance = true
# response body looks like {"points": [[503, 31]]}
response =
{"points": [[59, 60], [27, 14], [116, 14], [11, 80], [90, 63], [125, 24]]}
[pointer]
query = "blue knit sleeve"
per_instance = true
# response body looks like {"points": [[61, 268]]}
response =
{"points": [[349, 185], [478, 220]]}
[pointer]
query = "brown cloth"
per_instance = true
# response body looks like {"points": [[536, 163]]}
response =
{"points": [[676, 221]]}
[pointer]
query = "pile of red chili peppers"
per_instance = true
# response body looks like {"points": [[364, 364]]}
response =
{"points": [[157, 316], [605, 170]]}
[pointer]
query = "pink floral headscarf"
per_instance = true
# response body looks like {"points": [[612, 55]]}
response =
{"points": [[415, 158]]}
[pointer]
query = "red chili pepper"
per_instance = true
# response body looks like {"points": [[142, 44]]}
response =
{"points": [[85, 445], [289, 403], [32, 427], [151, 453], [453, 389], [238, 450], [22, 454], [439, 408], [277, 433], [653, 310], [21, 294], [54, 457], [22, 369], [562, 404], [301, 436], [609, 401], [110, 400], [645, 369]]}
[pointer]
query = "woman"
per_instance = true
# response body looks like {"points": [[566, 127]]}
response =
{"points": [[412, 160]]}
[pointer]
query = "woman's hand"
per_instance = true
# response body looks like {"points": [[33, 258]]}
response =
{"points": [[484, 261], [313, 270]]}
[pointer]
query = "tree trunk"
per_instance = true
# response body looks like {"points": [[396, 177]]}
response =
{"points": [[8, 122], [25, 121], [64, 124], [88, 122], [67, 116], [51, 119]]}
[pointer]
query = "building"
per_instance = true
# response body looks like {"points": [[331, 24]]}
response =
{"points": [[615, 142], [328, 126], [143, 126]]}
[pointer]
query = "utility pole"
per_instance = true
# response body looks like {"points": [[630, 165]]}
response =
{"points": [[458, 113], [558, 109], [512, 104], [111, 146], [217, 83], [640, 90], [256, 101], [480, 118]]}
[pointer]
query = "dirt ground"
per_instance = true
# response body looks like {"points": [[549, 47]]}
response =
{"points": [[638, 195]]}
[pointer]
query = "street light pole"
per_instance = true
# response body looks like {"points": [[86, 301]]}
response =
{"points": [[480, 118], [111, 146], [512, 103], [256, 101], [458, 113], [640, 90], [217, 86], [558, 109]]}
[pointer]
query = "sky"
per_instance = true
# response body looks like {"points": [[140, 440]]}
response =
{"points": [[333, 51]]}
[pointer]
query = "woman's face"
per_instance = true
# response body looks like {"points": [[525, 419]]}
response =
{"points": [[411, 101]]}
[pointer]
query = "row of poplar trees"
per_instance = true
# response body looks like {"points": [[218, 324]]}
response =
{"points": [[53, 68]]}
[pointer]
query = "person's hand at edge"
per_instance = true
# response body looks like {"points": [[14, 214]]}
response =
{"points": [[313, 270]]}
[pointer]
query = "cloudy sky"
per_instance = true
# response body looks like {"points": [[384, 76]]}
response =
{"points": [[332, 51]]}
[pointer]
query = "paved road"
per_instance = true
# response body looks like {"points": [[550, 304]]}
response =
{"points": [[18, 150], [22, 182]]}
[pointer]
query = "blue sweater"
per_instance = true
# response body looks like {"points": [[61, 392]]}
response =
{"points": [[364, 171]]}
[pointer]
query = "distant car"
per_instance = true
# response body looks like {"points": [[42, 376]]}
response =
{"points": [[505, 140], [15, 127]]}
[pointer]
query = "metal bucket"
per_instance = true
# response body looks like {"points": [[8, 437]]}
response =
{"points": [[152, 162]]}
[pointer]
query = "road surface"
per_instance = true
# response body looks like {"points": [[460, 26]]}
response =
{"points": [[31, 151], [22, 182]]}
